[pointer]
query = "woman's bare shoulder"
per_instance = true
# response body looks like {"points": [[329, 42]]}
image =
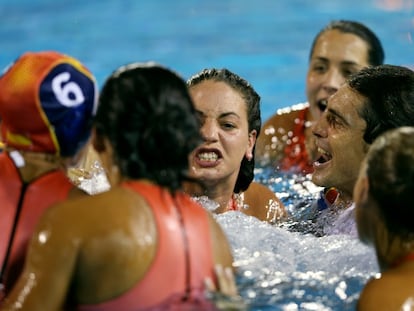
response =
{"points": [[388, 292], [263, 203]]}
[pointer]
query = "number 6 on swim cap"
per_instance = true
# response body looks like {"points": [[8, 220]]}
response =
{"points": [[63, 91], [47, 102]]}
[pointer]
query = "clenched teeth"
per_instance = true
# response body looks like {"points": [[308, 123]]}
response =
{"points": [[208, 156]]}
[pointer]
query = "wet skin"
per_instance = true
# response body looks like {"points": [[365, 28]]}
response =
{"points": [[339, 141], [227, 140], [336, 55]]}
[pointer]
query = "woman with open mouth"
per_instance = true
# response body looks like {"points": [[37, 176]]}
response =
{"points": [[341, 48]]}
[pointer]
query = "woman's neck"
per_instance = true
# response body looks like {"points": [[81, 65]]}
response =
{"points": [[223, 198], [219, 193]]}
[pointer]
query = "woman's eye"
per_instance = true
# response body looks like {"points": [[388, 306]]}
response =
{"points": [[319, 68], [228, 125], [347, 73]]}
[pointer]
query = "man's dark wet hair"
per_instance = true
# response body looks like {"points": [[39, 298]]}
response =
{"points": [[252, 99], [376, 53], [389, 98], [146, 113]]}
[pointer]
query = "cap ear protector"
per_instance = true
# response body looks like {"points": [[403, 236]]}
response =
{"points": [[47, 103]]}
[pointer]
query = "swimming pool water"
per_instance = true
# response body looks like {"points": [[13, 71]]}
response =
{"points": [[265, 41]]}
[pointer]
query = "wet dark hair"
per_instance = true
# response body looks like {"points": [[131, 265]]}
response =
{"points": [[389, 98], [147, 114], [376, 53], [252, 99], [390, 172]]}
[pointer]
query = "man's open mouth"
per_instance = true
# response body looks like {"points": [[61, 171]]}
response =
{"points": [[324, 156]]}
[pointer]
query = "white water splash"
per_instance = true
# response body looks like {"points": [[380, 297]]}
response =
{"points": [[283, 270]]}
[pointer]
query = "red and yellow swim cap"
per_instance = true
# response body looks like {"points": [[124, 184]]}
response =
{"points": [[47, 103]]}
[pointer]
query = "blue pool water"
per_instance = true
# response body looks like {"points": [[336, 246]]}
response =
{"points": [[265, 41]]}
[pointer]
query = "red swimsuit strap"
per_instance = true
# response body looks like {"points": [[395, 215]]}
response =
{"points": [[235, 203], [232, 206]]}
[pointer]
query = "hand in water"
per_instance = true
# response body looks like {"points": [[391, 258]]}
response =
{"points": [[226, 296]]}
